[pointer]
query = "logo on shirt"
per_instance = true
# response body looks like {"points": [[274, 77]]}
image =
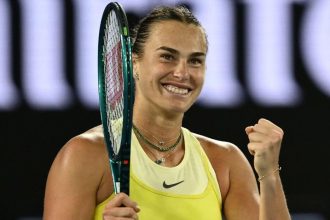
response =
{"points": [[167, 186]]}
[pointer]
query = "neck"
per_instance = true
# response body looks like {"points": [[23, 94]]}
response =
{"points": [[158, 125], [162, 126], [165, 154], [160, 145]]}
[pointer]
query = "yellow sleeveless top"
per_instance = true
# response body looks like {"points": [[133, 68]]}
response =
{"points": [[188, 191]]}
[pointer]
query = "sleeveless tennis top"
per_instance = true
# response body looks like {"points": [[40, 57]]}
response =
{"points": [[187, 191]]}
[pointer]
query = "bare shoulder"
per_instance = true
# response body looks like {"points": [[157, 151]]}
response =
{"points": [[77, 174], [91, 141], [218, 150], [223, 155], [83, 155], [84, 148], [227, 160]]}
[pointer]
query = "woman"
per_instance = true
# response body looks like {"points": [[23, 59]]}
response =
{"points": [[176, 174]]}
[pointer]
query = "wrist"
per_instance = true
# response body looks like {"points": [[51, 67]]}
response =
{"points": [[269, 174]]}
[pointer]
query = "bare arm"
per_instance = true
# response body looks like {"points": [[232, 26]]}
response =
{"points": [[242, 199], [237, 182], [73, 181], [238, 186], [265, 143]]}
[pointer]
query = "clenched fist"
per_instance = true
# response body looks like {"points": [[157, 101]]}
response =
{"points": [[265, 140]]}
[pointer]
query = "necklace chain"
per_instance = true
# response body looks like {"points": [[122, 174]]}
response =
{"points": [[161, 160], [159, 148], [160, 142]]}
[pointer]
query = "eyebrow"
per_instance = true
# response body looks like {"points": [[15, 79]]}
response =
{"points": [[174, 51]]}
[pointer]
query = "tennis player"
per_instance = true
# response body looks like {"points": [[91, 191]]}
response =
{"points": [[175, 173]]}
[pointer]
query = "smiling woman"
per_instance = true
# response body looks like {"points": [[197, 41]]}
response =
{"points": [[175, 173], [171, 68]]}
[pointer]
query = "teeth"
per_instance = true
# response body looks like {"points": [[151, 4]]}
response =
{"points": [[176, 90]]}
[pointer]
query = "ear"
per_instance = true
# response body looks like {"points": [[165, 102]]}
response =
{"points": [[135, 63]]}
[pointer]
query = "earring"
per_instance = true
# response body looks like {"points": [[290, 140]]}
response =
{"points": [[137, 76]]}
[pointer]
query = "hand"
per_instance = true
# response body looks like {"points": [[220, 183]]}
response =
{"points": [[265, 144], [121, 207]]}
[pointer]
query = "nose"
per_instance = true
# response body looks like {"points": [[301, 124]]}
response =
{"points": [[181, 71]]}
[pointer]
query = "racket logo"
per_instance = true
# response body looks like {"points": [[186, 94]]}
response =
{"points": [[167, 186]]}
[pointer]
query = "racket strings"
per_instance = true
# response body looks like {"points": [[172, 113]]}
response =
{"points": [[114, 85]]}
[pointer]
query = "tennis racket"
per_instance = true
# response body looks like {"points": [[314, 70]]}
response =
{"points": [[116, 92]]}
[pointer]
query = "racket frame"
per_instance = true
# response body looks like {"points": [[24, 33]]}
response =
{"points": [[119, 163]]}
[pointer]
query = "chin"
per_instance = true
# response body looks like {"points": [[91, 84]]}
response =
{"points": [[179, 108]]}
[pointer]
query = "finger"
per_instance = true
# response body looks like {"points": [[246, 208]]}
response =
{"points": [[254, 147], [122, 199], [270, 140], [269, 124], [127, 212], [257, 128], [117, 200], [248, 129], [127, 202], [256, 137], [268, 134], [252, 152], [118, 218], [267, 129], [264, 126], [260, 128]]}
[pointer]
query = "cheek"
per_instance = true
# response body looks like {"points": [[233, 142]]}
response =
{"points": [[199, 78], [199, 82], [145, 84]]}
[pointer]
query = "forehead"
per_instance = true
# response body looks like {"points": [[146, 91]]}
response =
{"points": [[177, 35]]}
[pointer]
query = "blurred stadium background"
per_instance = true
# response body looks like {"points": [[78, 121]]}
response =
{"points": [[266, 59]]}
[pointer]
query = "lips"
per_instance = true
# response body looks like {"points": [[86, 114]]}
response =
{"points": [[176, 90]]}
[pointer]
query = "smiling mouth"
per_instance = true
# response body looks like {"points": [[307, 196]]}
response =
{"points": [[176, 90]]}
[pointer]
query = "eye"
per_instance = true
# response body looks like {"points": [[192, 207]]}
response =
{"points": [[196, 61], [167, 57]]}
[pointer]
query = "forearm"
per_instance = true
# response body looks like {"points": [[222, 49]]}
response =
{"points": [[273, 204]]}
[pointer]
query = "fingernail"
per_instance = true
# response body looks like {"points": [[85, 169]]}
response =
{"points": [[137, 208]]}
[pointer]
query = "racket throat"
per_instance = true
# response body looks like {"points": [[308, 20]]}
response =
{"points": [[115, 168]]}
